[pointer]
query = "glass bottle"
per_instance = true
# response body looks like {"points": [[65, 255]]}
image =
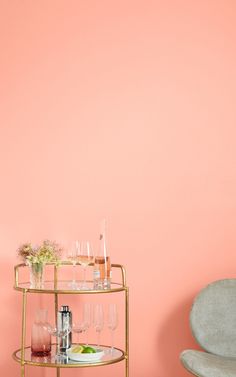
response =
{"points": [[40, 337], [102, 263]]}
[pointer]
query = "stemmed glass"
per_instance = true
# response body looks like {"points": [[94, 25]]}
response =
{"points": [[59, 334], [79, 327], [98, 321], [72, 254], [84, 324], [112, 322], [87, 318], [85, 257]]}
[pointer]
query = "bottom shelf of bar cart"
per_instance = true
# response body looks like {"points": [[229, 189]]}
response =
{"points": [[110, 357]]}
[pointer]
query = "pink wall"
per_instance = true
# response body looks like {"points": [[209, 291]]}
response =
{"points": [[123, 109]]}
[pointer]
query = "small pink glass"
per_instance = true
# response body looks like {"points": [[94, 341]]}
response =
{"points": [[40, 337]]}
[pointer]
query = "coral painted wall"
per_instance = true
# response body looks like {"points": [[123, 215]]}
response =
{"points": [[125, 110]]}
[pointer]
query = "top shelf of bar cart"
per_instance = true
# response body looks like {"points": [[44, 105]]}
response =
{"points": [[63, 286]]}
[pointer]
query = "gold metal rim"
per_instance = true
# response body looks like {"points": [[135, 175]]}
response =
{"points": [[77, 292], [84, 365], [120, 286]]}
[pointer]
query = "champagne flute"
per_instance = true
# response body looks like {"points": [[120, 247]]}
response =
{"points": [[79, 327], [112, 322], [98, 321], [83, 324], [72, 253], [85, 257], [87, 318]]}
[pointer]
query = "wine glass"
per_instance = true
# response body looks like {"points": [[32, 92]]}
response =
{"points": [[112, 322], [87, 318], [72, 253], [98, 321], [83, 324], [85, 257], [59, 334], [79, 327]]}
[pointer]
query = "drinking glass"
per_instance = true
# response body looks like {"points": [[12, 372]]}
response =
{"points": [[72, 253], [59, 334], [83, 325], [87, 318], [85, 257], [79, 327], [98, 321], [112, 322]]}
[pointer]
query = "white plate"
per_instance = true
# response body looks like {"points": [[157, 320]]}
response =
{"points": [[85, 357]]}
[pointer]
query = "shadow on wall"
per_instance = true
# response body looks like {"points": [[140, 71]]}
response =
{"points": [[175, 336]]}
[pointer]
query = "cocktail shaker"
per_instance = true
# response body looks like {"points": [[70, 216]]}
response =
{"points": [[64, 324]]}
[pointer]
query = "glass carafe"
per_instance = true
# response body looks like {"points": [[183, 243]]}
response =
{"points": [[102, 263], [40, 337]]}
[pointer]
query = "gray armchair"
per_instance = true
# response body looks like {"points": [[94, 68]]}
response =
{"points": [[213, 324]]}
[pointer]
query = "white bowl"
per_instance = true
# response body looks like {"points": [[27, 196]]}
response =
{"points": [[85, 357]]}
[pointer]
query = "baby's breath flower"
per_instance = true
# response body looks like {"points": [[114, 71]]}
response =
{"points": [[47, 252]]}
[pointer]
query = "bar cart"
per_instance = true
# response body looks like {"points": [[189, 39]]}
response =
{"points": [[56, 287]]}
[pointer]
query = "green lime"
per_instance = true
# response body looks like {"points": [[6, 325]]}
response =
{"points": [[89, 350]]}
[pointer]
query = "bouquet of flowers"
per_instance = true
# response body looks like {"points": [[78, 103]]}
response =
{"points": [[48, 251]]}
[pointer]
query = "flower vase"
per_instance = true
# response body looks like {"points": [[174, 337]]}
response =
{"points": [[36, 275]]}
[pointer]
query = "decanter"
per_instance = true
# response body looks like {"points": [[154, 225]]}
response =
{"points": [[40, 337]]}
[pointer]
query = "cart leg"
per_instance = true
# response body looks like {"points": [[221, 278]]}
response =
{"points": [[127, 331], [56, 310], [23, 333], [56, 295], [126, 368], [56, 307], [22, 371]]}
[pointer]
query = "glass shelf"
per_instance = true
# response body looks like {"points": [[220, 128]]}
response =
{"points": [[57, 285], [49, 361], [64, 287]]}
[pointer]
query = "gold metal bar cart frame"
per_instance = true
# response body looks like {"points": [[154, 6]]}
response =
{"points": [[19, 355]]}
